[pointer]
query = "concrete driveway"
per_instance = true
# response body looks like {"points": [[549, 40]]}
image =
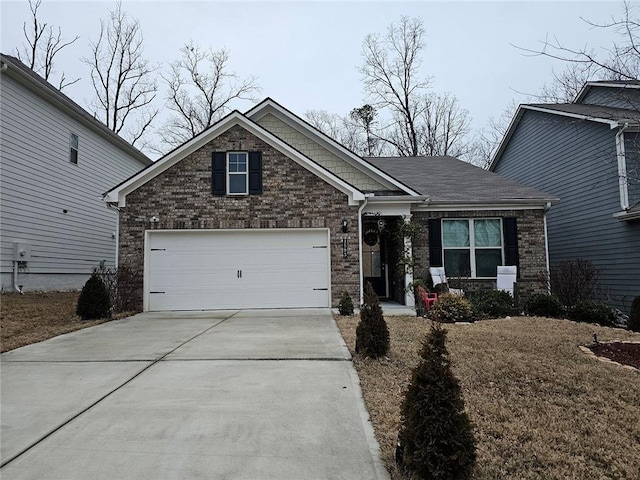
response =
{"points": [[268, 394]]}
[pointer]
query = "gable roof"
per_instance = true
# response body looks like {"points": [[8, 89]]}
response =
{"points": [[605, 83], [447, 180], [614, 117], [118, 193], [270, 106], [34, 82]]}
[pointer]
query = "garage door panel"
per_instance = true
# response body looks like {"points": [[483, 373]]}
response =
{"points": [[196, 270]]}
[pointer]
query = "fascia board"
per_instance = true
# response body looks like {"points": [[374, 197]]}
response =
{"points": [[235, 118], [507, 205], [272, 107]]}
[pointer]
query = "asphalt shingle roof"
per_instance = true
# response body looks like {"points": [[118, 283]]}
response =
{"points": [[593, 111], [449, 180]]}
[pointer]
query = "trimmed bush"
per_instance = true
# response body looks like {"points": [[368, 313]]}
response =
{"points": [[94, 299], [372, 334], [450, 308], [634, 316], [436, 439], [544, 305], [345, 307], [593, 312], [492, 303]]}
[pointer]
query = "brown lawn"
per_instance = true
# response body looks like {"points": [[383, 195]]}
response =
{"points": [[542, 409], [34, 317]]}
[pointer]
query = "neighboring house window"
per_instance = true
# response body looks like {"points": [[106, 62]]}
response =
{"points": [[472, 247], [236, 173], [73, 149]]}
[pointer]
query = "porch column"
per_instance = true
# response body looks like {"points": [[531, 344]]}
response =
{"points": [[409, 299]]}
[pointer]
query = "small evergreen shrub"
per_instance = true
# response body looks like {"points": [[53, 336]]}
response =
{"points": [[544, 305], [94, 299], [372, 334], [593, 312], [436, 440], [492, 303], [345, 307], [634, 316], [450, 308]]}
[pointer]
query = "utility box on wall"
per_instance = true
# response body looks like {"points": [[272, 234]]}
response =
{"points": [[21, 252]]}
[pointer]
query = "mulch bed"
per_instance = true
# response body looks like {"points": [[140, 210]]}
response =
{"points": [[624, 353]]}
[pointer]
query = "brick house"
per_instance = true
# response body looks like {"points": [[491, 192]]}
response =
{"points": [[262, 210]]}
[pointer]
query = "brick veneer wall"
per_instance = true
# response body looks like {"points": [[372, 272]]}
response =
{"points": [[531, 247], [292, 197]]}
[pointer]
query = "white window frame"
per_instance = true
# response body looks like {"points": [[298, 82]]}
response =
{"points": [[472, 248], [245, 173], [73, 147]]}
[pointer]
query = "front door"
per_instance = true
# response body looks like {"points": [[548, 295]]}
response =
{"points": [[374, 266]]}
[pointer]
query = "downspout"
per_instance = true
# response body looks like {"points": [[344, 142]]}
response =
{"points": [[15, 278], [360, 210], [546, 242], [112, 207], [622, 167]]}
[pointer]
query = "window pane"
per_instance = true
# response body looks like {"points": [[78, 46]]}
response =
{"points": [[487, 233], [455, 233], [237, 183], [237, 162], [457, 263], [487, 260]]}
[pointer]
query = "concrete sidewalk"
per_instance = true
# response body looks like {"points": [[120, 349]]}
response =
{"points": [[236, 395]]}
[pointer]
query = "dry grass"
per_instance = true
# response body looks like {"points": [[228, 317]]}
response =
{"points": [[34, 317], [541, 408]]}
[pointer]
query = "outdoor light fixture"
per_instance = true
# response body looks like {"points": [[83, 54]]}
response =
{"points": [[154, 219], [345, 225]]}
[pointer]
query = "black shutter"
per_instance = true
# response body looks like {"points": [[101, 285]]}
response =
{"points": [[510, 234], [219, 173], [435, 242], [255, 173]]}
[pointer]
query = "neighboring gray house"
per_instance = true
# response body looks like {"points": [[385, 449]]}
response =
{"points": [[56, 160], [263, 210], [586, 154]]}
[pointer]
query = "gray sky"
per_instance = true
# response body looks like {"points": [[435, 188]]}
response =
{"points": [[306, 54]]}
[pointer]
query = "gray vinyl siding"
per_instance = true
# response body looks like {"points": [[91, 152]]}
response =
{"points": [[613, 97], [38, 182], [576, 161]]}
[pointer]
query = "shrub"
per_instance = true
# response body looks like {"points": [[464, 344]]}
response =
{"points": [[492, 303], [544, 305], [634, 316], [451, 308], [123, 284], [593, 312], [372, 335], [94, 299], [436, 439], [345, 307], [574, 281]]}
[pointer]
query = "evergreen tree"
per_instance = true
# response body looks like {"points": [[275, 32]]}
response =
{"points": [[94, 299], [372, 335], [436, 440]]}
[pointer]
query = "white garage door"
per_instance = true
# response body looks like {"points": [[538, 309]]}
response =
{"points": [[203, 270]]}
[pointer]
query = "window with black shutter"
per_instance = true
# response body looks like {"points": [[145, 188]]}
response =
{"points": [[236, 173]]}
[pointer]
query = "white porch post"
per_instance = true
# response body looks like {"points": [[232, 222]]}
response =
{"points": [[409, 299]]}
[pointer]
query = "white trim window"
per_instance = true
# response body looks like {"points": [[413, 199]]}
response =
{"points": [[74, 142], [472, 247], [238, 173]]}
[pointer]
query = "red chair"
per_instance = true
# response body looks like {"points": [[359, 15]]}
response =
{"points": [[427, 298]]}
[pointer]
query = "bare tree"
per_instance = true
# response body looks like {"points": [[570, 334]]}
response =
{"points": [[416, 121], [391, 78], [43, 45], [201, 89], [342, 129], [123, 80], [620, 61]]}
